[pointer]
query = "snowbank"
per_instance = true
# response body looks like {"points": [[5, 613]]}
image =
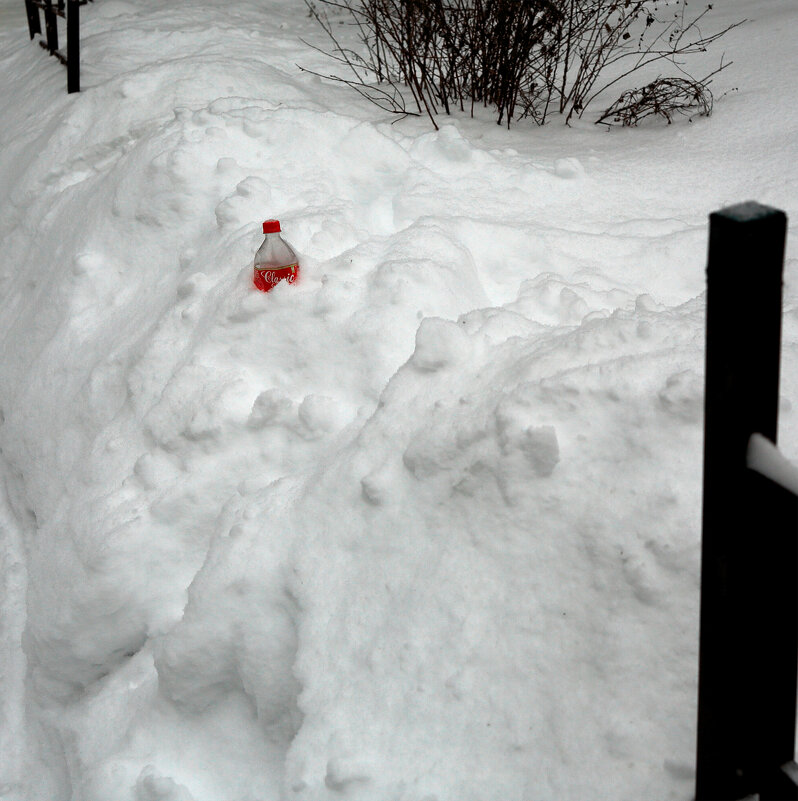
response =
{"points": [[423, 526]]}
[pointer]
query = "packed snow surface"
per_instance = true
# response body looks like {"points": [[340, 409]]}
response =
{"points": [[424, 526]]}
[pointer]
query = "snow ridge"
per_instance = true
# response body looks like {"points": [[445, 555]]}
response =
{"points": [[436, 505]]}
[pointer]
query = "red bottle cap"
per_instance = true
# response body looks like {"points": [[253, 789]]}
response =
{"points": [[271, 227]]}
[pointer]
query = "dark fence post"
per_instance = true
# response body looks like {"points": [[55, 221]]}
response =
{"points": [[748, 652], [73, 45], [50, 26], [34, 25]]}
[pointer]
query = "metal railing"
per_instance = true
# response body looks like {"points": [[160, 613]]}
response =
{"points": [[69, 10]]}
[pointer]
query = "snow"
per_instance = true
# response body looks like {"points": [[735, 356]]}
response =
{"points": [[423, 526], [766, 459]]}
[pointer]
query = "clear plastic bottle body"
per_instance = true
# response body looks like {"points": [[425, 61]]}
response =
{"points": [[275, 261]]}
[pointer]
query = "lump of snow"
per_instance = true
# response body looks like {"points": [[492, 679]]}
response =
{"points": [[439, 343], [767, 460], [683, 396], [569, 168], [151, 787]]}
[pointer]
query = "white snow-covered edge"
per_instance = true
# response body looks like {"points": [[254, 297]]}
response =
{"points": [[766, 459]]}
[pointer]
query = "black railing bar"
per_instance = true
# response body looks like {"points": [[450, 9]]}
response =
{"points": [[49, 8], [59, 10], [57, 53]]}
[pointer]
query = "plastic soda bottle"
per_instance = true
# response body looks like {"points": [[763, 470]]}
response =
{"points": [[275, 260]]}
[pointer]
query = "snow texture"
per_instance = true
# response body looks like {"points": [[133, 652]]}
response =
{"points": [[423, 526], [766, 459]]}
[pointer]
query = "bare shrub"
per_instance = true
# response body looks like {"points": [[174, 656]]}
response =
{"points": [[523, 58], [448, 54], [664, 97], [602, 42]]}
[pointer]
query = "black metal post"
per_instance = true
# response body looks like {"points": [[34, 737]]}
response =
{"points": [[73, 45], [748, 652], [34, 25], [51, 26]]}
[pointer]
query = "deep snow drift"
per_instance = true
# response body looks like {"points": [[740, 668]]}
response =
{"points": [[424, 526]]}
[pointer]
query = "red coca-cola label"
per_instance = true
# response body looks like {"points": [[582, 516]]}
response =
{"points": [[267, 277]]}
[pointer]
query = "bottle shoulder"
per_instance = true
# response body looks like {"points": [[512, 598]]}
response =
{"points": [[275, 251]]}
